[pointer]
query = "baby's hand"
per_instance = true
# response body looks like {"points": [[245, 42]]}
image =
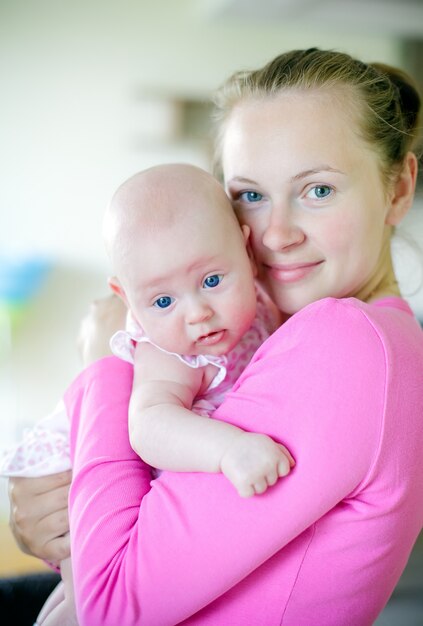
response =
{"points": [[254, 462]]}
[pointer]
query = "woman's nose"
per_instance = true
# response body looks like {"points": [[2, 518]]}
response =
{"points": [[282, 232]]}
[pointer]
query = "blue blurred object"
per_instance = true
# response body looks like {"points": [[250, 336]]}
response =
{"points": [[21, 277]]}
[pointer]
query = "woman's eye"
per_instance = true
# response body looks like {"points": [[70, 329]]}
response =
{"points": [[212, 281], [250, 196], [163, 302], [319, 192]]}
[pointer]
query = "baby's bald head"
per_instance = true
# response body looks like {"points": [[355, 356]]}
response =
{"points": [[164, 197]]}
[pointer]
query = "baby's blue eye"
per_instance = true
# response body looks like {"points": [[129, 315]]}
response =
{"points": [[163, 302], [212, 281], [250, 196]]}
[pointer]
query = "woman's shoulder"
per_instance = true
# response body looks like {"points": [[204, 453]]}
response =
{"points": [[343, 325], [386, 313]]}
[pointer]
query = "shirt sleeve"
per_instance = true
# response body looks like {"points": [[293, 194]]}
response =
{"points": [[317, 385]]}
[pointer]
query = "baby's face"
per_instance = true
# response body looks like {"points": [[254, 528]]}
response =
{"points": [[192, 287]]}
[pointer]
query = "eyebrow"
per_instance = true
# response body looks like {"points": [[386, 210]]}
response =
{"points": [[299, 176], [201, 265], [316, 170]]}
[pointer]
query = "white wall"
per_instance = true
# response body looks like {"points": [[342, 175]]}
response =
{"points": [[408, 257], [71, 73]]}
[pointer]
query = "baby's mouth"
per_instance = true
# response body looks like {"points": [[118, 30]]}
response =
{"points": [[211, 338]]}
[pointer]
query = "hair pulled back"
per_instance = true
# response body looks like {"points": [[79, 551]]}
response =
{"points": [[386, 99]]}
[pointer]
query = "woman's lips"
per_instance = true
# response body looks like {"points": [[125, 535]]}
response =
{"points": [[212, 338], [291, 273]]}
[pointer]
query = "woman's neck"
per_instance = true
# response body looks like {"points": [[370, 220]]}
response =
{"points": [[383, 282]]}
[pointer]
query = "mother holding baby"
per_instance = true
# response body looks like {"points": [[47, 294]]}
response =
{"points": [[317, 155]]}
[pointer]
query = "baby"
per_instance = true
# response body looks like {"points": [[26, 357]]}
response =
{"points": [[183, 269], [196, 317]]}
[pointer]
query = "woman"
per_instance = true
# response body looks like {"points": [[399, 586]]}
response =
{"points": [[316, 153]]}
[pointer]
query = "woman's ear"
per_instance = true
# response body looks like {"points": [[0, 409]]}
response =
{"points": [[116, 287], [246, 232], [403, 191]]}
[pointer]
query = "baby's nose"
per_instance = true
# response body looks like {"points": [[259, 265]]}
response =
{"points": [[198, 311]]}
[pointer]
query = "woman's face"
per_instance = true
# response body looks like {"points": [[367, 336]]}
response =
{"points": [[311, 191]]}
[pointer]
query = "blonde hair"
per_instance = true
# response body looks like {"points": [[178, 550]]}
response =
{"points": [[386, 99]]}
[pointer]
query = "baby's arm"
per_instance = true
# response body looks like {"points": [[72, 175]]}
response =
{"points": [[165, 433]]}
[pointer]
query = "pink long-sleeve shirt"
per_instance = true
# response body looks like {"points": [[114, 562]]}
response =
{"points": [[341, 384]]}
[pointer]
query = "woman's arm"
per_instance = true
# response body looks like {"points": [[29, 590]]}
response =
{"points": [[193, 539]]}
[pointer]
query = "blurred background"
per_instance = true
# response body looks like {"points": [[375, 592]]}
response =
{"points": [[93, 91]]}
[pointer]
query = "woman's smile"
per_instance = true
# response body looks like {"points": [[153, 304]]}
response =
{"points": [[291, 272]]}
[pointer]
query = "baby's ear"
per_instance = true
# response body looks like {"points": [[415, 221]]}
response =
{"points": [[246, 232], [116, 287]]}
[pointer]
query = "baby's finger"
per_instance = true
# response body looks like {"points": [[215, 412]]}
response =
{"points": [[246, 492], [272, 477], [260, 486], [288, 455], [284, 467]]}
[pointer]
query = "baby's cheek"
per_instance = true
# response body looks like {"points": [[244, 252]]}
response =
{"points": [[243, 309]]}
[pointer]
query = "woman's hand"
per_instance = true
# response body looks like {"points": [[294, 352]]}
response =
{"points": [[103, 319], [39, 515]]}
